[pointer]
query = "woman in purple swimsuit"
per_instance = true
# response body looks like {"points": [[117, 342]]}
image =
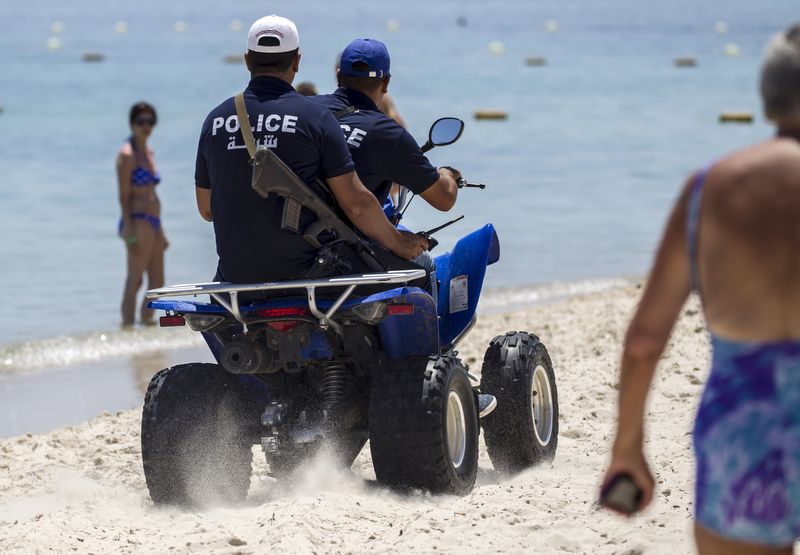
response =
{"points": [[140, 225], [734, 237]]}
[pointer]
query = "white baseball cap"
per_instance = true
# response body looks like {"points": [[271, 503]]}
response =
{"points": [[273, 34]]}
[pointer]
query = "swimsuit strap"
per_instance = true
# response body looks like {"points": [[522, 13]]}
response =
{"points": [[693, 222]]}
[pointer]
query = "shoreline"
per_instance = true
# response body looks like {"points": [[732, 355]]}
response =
{"points": [[82, 486], [68, 380], [45, 354]]}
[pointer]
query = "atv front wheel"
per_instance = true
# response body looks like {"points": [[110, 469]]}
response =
{"points": [[423, 426], [196, 449], [523, 430]]}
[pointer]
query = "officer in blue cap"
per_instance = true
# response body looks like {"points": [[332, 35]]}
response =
{"points": [[383, 151]]}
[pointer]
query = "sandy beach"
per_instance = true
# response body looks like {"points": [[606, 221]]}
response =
{"points": [[81, 488]]}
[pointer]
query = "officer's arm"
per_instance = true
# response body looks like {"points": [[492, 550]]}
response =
{"points": [[204, 203], [363, 209], [442, 194]]}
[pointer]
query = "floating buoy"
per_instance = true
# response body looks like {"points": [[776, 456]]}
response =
{"points": [[551, 25], [57, 27], [721, 27], [686, 62], [393, 25], [736, 117], [180, 26], [461, 21], [496, 47], [121, 27], [535, 61], [233, 59], [54, 43], [236, 25], [491, 114], [732, 50], [93, 57]]}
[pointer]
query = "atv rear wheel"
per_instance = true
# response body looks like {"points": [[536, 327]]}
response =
{"points": [[424, 426], [523, 430], [196, 449]]}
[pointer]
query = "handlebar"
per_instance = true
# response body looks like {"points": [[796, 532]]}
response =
{"points": [[461, 182]]}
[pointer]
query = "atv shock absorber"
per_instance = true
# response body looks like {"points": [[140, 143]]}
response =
{"points": [[335, 386]]}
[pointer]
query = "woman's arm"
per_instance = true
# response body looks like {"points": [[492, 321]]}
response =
{"points": [[667, 289], [124, 169]]}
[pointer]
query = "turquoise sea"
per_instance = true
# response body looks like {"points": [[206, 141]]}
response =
{"points": [[580, 176]]}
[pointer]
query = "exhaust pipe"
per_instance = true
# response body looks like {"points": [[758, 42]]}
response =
{"points": [[245, 356]]}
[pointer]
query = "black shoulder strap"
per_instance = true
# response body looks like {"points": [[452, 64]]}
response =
{"points": [[345, 112]]}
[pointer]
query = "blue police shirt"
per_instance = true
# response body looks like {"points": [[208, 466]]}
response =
{"points": [[382, 150], [251, 245]]}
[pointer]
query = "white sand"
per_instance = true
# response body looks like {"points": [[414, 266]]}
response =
{"points": [[81, 489]]}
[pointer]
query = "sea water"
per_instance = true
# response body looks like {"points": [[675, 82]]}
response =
{"points": [[579, 177]]}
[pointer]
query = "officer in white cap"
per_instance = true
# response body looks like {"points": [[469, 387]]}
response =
{"points": [[252, 245]]}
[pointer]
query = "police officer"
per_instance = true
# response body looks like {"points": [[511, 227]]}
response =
{"points": [[383, 151], [251, 244]]}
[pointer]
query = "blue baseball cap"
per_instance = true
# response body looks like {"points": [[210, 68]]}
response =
{"points": [[369, 51]]}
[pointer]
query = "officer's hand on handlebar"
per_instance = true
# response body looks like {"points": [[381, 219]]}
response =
{"points": [[410, 245], [454, 172]]}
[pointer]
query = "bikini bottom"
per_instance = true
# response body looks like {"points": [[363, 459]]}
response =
{"points": [[154, 221], [747, 443]]}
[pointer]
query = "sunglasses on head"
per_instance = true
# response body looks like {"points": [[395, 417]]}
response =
{"points": [[144, 121]]}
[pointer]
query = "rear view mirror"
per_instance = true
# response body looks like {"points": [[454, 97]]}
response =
{"points": [[444, 131]]}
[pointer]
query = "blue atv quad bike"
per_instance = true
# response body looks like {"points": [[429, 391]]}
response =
{"points": [[330, 369]]}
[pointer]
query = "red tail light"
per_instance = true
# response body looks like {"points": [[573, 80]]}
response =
{"points": [[281, 312], [399, 309], [168, 321], [284, 326]]}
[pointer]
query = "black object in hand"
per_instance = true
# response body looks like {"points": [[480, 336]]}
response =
{"points": [[621, 494], [431, 241]]}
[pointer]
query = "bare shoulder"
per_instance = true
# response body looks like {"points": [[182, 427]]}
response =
{"points": [[125, 153], [758, 161]]}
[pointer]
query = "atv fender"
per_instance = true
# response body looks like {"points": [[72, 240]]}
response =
{"points": [[460, 274]]}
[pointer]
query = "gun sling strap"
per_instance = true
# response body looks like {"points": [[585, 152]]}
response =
{"points": [[272, 175]]}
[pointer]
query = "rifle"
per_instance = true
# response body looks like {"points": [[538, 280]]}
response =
{"points": [[272, 175]]}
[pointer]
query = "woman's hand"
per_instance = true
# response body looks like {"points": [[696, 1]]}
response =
{"points": [[631, 461], [128, 235]]}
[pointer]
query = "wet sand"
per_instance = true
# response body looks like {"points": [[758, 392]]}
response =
{"points": [[41, 400], [81, 488]]}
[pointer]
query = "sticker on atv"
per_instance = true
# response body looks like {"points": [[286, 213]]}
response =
{"points": [[459, 294]]}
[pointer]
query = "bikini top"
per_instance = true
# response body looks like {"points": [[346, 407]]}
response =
{"points": [[142, 177]]}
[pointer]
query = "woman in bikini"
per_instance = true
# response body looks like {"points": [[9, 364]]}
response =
{"points": [[140, 224], [734, 237]]}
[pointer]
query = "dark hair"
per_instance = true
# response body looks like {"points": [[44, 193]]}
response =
{"points": [[364, 84], [271, 62], [139, 108], [306, 88]]}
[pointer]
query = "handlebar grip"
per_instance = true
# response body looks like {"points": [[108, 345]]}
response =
{"points": [[431, 241]]}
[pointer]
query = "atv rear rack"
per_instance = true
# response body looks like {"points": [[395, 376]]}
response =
{"points": [[218, 290]]}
